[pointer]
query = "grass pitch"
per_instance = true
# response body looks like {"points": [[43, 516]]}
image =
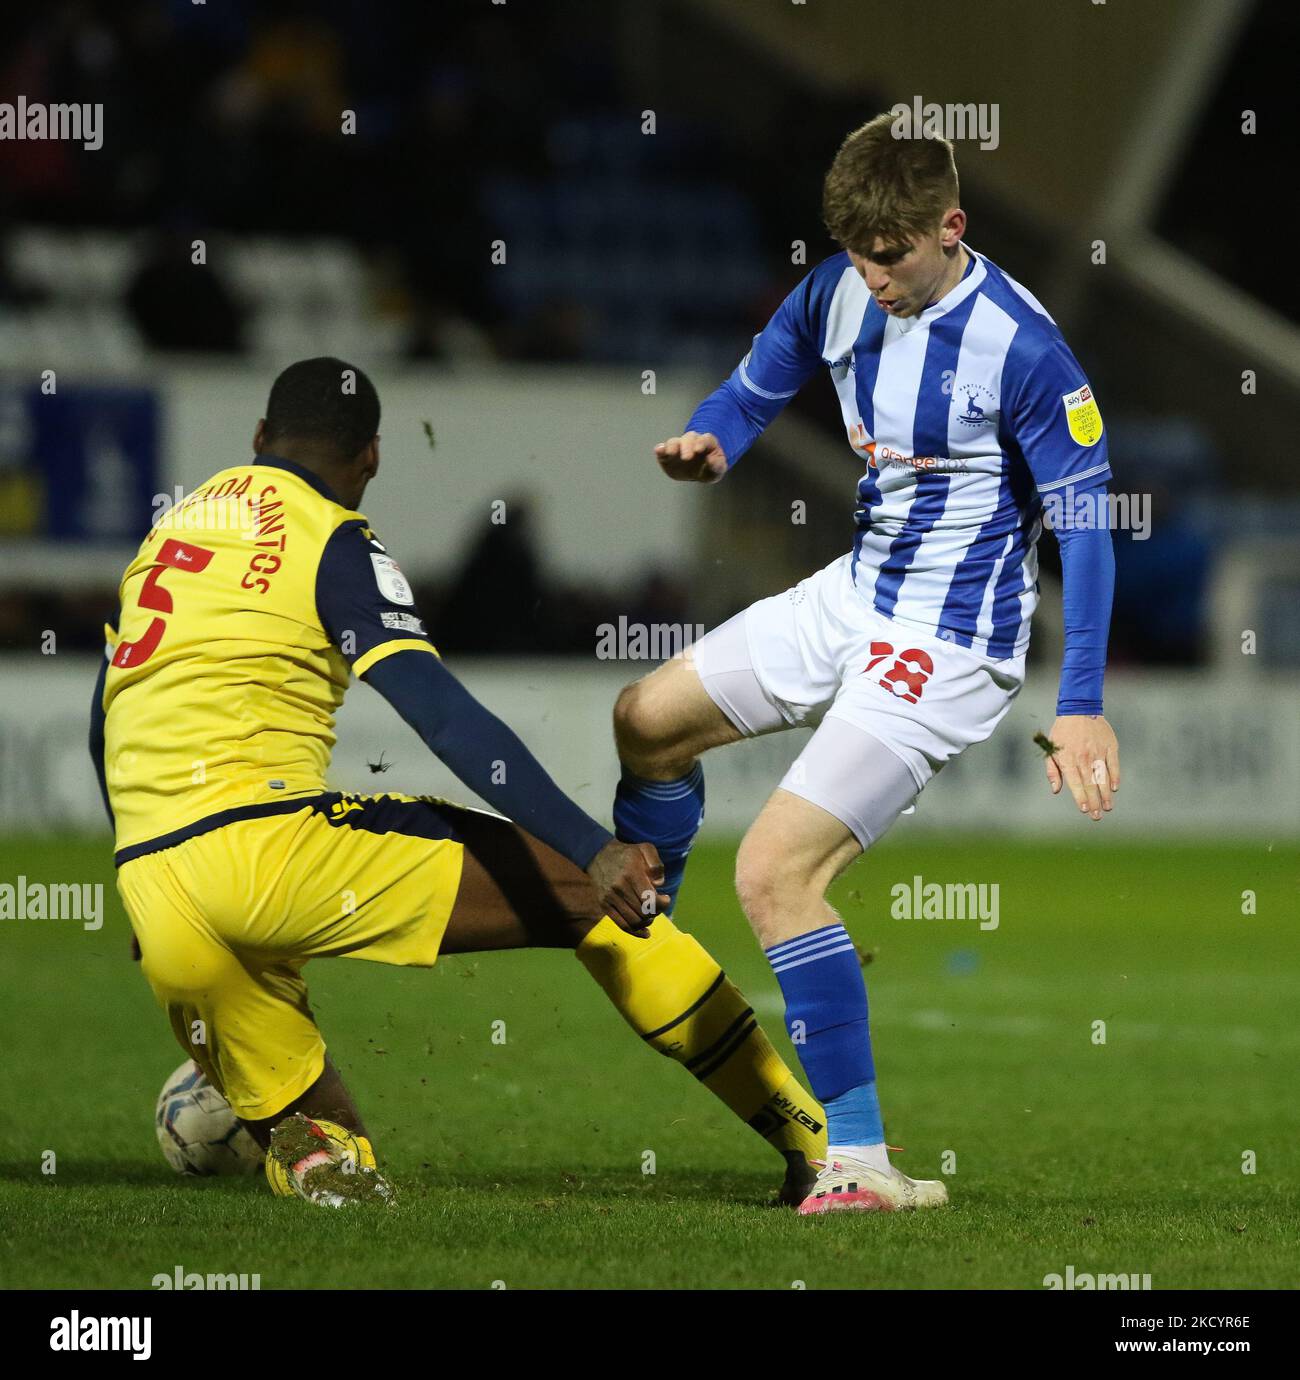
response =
{"points": [[523, 1162]]}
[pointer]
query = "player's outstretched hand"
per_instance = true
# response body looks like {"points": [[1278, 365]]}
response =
{"points": [[628, 877], [1085, 756], [695, 456]]}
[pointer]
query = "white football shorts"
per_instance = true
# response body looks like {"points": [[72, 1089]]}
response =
{"points": [[820, 656]]}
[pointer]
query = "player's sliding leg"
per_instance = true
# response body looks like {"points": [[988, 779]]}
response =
{"points": [[515, 892], [661, 725], [327, 1099], [789, 857], [245, 1021], [676, 997], [396, 879]]}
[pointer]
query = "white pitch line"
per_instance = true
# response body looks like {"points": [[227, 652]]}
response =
{"points": [[939, 1021]]}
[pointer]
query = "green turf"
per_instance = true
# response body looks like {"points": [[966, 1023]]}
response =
{"points": [[522, 1162]]}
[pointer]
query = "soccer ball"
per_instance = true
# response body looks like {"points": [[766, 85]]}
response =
{"points": [[198, 1131]]}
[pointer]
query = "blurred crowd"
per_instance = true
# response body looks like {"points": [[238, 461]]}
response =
{"points": [[469, 124], [230, 118]]}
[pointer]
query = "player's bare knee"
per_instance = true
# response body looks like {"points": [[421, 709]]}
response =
{"points": [[626, 716], [766, 891], [642, 745]]}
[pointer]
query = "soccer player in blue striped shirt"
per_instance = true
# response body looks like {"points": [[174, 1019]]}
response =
{"points": [[970, 416]]}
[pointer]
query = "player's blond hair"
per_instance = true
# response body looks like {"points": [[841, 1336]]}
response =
{"points": [[886, 186]]}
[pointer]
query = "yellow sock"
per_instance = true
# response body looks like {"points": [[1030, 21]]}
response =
{"points": [[673, 994]]}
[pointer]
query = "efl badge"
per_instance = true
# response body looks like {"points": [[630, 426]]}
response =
{"points": [[1082, 415], [392, 583]]}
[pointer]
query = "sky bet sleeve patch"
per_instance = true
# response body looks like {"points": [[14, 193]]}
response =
{"points": [[1082, 416], [392, 583]]}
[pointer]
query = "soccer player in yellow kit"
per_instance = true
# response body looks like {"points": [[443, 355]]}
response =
{"points": [[242, 617]]}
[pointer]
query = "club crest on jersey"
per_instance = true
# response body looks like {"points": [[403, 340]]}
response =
{"points": [[979, 403], [392, 583], [1082, 416]]}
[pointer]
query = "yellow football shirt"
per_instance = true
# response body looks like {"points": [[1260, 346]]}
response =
{"points": [[241, 615]]}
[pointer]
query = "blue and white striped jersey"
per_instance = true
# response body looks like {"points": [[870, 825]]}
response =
{"points": [[964, 416]]}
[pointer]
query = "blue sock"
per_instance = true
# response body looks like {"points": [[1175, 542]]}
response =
{"points": [[853, 1118], [665, 813], [826, 1019]]}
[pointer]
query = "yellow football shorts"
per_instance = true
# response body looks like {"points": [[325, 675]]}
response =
{"points": [[226, 919]]}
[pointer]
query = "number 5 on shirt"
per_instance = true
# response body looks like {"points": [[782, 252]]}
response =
{"points": [[175, 555]]}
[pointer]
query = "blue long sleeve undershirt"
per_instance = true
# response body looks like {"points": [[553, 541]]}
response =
{"points": [[1087, 590], [735, 416], [471, 741]]}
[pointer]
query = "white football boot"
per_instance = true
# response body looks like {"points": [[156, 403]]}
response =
{"points": [[846, 1185]]}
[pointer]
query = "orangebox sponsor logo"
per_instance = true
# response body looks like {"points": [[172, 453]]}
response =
{"points": [[880, 456]]}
